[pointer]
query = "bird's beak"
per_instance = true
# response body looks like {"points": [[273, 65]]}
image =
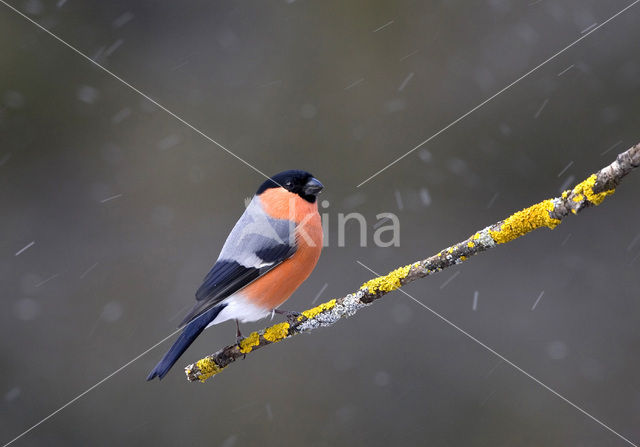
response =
{"points": [[313, 187]]}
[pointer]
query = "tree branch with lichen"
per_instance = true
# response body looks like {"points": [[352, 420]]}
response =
{"points": [[548, 213]]}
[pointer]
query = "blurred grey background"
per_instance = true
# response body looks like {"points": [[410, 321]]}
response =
{"points": [[128, 208]]}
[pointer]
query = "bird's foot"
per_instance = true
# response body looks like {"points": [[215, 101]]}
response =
{"points": [[292, 317], [239, 336]]}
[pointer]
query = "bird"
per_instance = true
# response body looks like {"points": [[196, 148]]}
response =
{"points": [[269, 253]]}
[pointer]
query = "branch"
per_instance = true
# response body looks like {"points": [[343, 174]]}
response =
{"points": [[548, 213]]}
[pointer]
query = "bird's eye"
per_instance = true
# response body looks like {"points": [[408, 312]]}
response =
{"points": [[288, 184]]}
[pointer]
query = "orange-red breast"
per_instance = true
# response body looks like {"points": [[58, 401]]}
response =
{"points": [[270, 251]]}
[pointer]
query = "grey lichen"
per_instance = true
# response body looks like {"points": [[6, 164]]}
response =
{"points": [[345, 307]]}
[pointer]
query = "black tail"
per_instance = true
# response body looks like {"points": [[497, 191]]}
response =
{"points": [[189, 334]]}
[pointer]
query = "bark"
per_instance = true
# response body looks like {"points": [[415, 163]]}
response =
{"points": [[548, 213]]}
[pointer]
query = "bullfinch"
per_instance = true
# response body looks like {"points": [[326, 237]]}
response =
{"points": [[270, 251]]}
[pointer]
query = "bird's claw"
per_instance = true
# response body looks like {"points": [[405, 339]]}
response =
{"points": [[292, 317]]}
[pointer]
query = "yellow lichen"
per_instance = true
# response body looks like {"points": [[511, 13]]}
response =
{"points": [[450, 250], [476, 236], [522, 222], [387, 283], [276, 332], [463, 258], [471, 244], [207, 367], [585, 190], [247, 344], [565, 194], [310, 313]]}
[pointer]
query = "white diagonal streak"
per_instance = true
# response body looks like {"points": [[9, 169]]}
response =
{"points": [[156, 103], [141, 93], [506, 360], [460, 118], [91, 388]]}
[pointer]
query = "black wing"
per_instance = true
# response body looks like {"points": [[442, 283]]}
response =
{"points": [[227, 277]]}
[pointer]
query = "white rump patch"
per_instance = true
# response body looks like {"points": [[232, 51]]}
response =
{"points": [[239, 307]]}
